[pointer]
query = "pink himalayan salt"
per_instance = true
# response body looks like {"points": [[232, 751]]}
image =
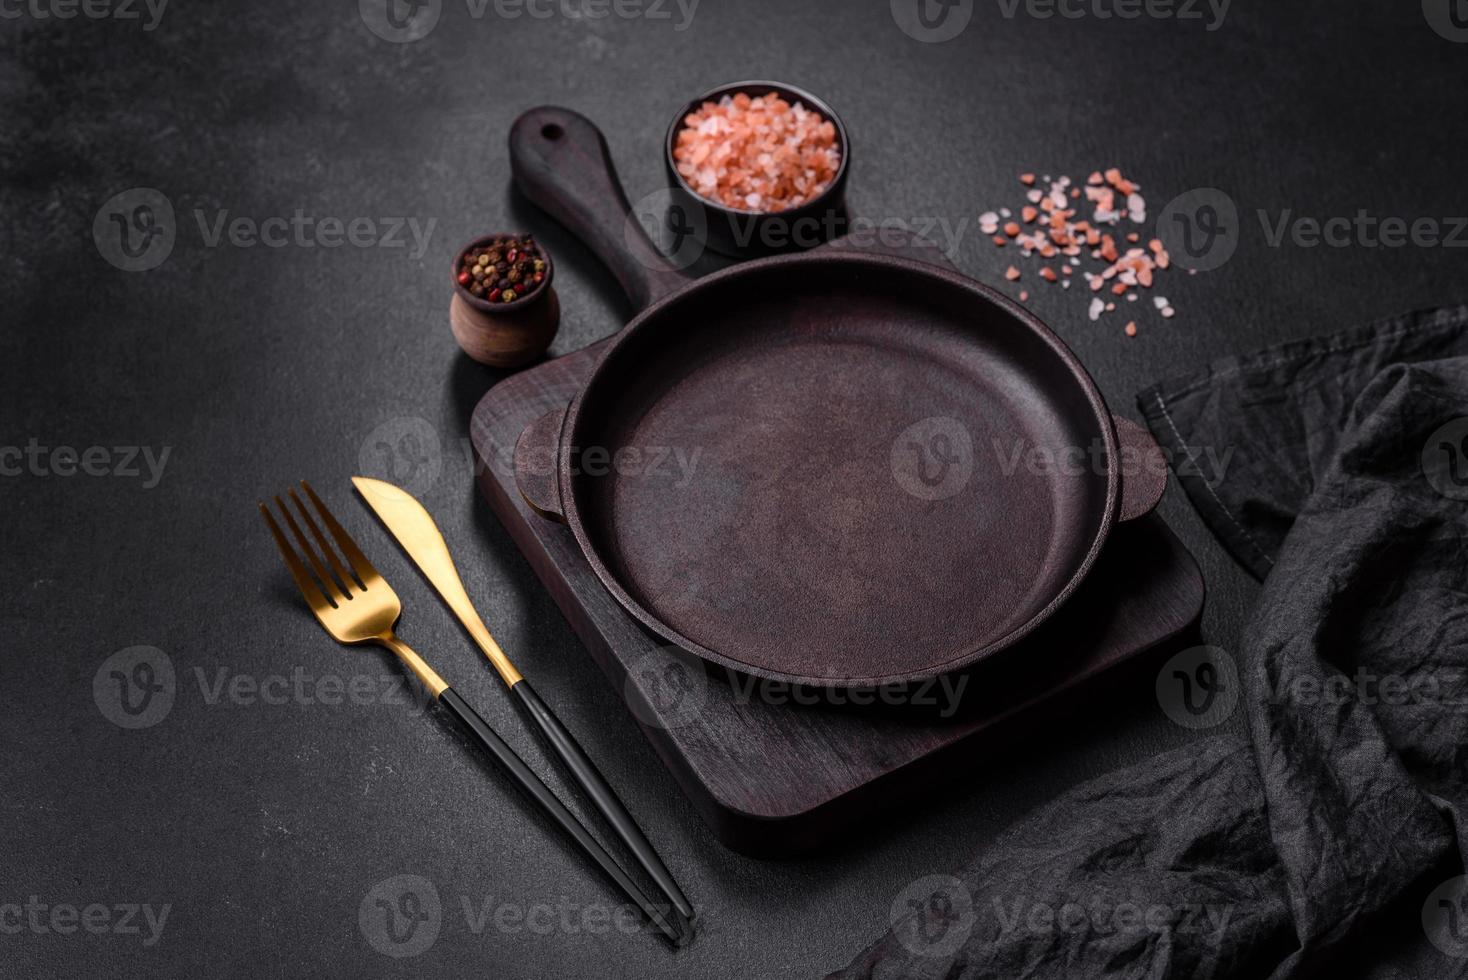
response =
{"points": [[757, 154]]}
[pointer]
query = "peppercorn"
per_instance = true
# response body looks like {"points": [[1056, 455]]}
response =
{"points": [[503, 269]]}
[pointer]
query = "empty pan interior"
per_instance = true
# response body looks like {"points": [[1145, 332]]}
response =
{"points": [[847, 471]]}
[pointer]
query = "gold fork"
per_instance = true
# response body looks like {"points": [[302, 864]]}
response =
{"points": [[359, 607]]}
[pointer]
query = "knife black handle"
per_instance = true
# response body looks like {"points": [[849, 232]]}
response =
{"points": [[531, 786], [590, 779]]}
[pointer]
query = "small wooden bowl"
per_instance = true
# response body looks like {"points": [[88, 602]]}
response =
{"points": [[504, 335]]}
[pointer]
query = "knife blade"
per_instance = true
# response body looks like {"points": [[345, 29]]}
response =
{"points": [[415, 529]]}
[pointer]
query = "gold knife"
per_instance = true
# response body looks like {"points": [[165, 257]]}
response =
{"points": [[414, 528], [420, 537]]}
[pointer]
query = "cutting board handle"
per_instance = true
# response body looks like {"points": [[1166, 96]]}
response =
{"points": [[561, 163], [537, 462], [1143, 469]]}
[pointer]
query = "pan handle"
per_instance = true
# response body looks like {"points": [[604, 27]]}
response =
{"points": [[537, 459], [561, 163], [1143, 469]]}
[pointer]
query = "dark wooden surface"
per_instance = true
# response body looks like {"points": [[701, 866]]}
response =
{"points": [[775, 777]]}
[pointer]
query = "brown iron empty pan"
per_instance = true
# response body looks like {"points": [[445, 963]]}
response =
{"points": [[833, 468]]}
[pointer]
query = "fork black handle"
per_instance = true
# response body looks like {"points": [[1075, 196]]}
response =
{"points": [[607, 803], [531, 785]]}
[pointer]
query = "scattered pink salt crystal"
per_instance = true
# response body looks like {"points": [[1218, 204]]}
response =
{"points": [[1054, 229]]}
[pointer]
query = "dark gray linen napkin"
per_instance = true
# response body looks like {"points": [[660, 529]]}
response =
{"points": [[1329, 841]]}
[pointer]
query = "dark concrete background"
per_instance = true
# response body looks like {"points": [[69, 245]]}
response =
{"points": [[263, 826]]}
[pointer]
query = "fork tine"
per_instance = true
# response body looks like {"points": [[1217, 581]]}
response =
{"points": [[358, 561], [309, 589], [343, 577], [326, 581]]}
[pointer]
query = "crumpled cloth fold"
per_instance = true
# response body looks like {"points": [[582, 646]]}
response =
{"points": [[1330, 841]]}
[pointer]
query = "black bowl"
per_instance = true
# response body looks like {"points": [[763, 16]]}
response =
{"points": [[748, 234]]}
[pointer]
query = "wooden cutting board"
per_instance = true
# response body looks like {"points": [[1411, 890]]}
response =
{"points": [[772, 772]]}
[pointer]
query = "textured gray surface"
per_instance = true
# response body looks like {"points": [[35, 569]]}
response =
{"points": [[263, 826]]}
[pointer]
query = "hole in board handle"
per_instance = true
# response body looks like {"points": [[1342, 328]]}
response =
{"points": [[552, 131]]}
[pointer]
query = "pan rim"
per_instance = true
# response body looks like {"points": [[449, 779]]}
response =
{"points": [[970, 657]]}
